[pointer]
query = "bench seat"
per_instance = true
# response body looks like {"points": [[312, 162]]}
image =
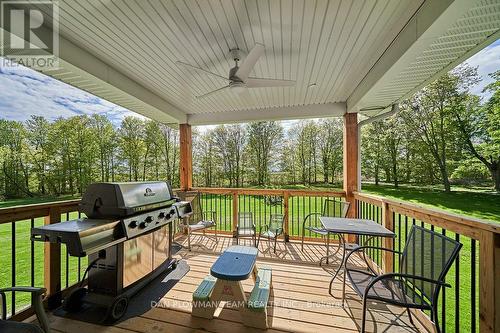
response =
{"points": [[261, 291], [204, 290], [256, 308]]}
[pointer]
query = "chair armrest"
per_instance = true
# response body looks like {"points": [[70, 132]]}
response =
{"points": [[34, 290], [359, 248], [36, 301], [410, 276], [308, 216], [265, 227], [371, 247], [402, 275]]}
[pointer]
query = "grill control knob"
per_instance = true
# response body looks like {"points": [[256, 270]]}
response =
{"points": [[148, 219], [143, 225], [133, 224], [161, 215]]}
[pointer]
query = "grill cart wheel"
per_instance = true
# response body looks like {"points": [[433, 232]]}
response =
{"points": [[118, 308]]}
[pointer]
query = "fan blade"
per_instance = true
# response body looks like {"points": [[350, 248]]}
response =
{"points": [[247, 64], [200, 70], [255, 82], [212, 92]]}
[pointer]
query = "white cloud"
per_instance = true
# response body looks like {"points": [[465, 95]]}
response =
{"points": [[24, 92], [487, 61]]}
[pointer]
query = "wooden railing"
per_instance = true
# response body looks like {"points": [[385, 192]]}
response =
{"points": [[473, 303], [295, 205], [21, 259]]}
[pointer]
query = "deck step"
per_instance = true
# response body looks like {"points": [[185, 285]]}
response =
{"points": [[202, 293]]}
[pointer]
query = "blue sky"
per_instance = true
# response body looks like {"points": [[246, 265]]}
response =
{"points": [[24, 92]]}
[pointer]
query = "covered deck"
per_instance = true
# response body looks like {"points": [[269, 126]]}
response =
{"points": [[300, 303], [362, 57]]}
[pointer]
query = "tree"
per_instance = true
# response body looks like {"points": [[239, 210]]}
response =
{"points": [[479, 127], [132, 145], [427, 114], [330, 147], [37, 128], [105, 135], [263, 137], [229, 143]]}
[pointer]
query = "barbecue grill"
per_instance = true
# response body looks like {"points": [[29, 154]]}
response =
{"points": [[127, 236]]}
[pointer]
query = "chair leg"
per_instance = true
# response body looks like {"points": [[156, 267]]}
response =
{"points": [[302, 245], [275, 239], [343, 286], [436, 319], [189, 238], [410, 316], [363, 320]]}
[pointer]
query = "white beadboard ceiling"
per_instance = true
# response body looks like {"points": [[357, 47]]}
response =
{"points": [[335, 44]]}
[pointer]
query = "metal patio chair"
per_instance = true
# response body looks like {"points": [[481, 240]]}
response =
{"points": [[246, 227], [331, 208], [9, 326], [426, 259], [272, 230], [200, 220]]}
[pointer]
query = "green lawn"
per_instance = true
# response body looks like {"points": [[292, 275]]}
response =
{"points": [[477, 202]]}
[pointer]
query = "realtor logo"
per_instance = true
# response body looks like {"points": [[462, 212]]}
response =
{"points": [[30, 34]]}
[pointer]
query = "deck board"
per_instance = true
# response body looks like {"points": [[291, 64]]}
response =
{"points": [[300, 300]]}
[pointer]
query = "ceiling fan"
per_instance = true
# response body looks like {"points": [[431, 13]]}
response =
{"points": [[238, 75]]}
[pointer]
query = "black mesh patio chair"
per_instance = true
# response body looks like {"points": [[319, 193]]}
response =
{"points": [[331, 208], [273, 230], [246, 227], [200, 220], [424, 263], [9, 326]]}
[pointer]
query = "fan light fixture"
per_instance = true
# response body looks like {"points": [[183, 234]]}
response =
{"points": [[237, 87], [239, 79]]}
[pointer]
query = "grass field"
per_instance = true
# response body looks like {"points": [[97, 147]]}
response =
{"points": [[476, 202]]}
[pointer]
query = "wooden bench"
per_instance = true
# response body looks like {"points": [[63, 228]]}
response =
{"points": [[202, 304], [255, 314]]}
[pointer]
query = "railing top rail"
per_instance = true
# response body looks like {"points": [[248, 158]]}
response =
{"points": [[21, 212], [430, 214], [258, 191]]}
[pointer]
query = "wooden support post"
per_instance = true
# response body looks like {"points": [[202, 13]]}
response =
{"points": [[52, 263], [350, 159], [235, 212], [186, 157], [286, 197], [489, 282], [388, 222]]}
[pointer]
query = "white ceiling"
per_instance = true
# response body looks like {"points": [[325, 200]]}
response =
{"points": [[336, 44]]}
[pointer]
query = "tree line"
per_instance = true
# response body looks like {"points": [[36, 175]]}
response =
{"points": [[39, 157], [266, 153], [443, 134]]}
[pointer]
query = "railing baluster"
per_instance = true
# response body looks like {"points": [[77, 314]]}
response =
{"points": [[473, 285], [67, 258], [13, 265], [457, 289], [443, 293], [32, 259]]}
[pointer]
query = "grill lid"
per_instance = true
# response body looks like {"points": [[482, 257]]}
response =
{"points": [[111, 200]]}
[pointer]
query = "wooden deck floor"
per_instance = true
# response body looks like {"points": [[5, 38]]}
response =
{"points": [[300, 300]]}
